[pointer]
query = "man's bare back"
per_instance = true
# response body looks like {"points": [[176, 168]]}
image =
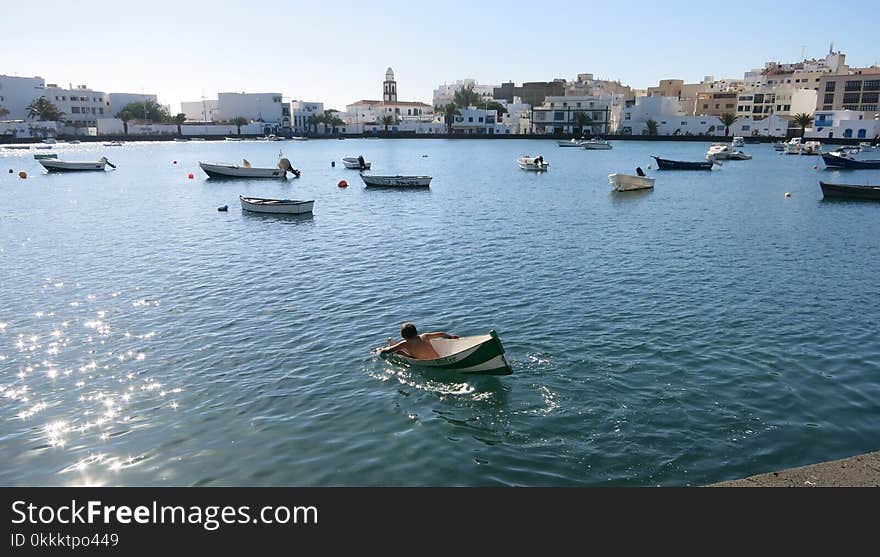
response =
{"points": [[415, 345]]}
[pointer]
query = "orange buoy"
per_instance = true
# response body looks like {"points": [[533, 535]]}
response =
{"points": [[190, 176], [22, 174], [342, 184]]}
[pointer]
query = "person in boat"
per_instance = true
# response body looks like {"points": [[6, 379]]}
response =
{"points": [[640, 172], [415, 345], [361, 162], [539, 160]]}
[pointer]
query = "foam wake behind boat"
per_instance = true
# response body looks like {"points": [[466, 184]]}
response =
{"points": [[474, 354]]}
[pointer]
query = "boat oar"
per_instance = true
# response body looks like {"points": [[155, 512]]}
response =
{"points": [[110, 164]]}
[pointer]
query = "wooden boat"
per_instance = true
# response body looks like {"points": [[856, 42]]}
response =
{"points": [[233, 138], [276, 206], [17, 147], [41, 156], [628, 182], [54, 165], [43, 147], [596, 144], [850, 191], [225, 170], [570, 143], [299, 138], [475, 354], [356, 163], [843, 161], [113, 144], [532, 163], [396, 181], [666, 164]]}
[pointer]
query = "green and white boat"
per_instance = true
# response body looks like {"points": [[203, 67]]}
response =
{"points": [[475, 354]]}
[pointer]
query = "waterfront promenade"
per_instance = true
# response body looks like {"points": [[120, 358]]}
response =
{"points": [[856, 471]]}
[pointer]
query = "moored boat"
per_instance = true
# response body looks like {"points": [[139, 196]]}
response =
{"points": [[718, 151], [113, 144], [276, 206], [396, 181], [850, 191], [570, 143], [356, 163], [841, 160], [55, 165], [41, 156], [628, 182], [17, 147], [738, 141], [474, 354], [233, 138], [667, 164], [226, 170], [527, 162], [299, 138], [596, 144]]}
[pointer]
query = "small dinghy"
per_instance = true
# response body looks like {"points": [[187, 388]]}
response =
{"points": [[224, 170], [474, 354], [532, 163], [596, 144], [55, 165], [277, 206], [356, 163], [42, 156], [396, 181], [629, 182], [569, 143], [666, 164]]}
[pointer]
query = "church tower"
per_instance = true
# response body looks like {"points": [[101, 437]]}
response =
{"points": [[389, 88]]}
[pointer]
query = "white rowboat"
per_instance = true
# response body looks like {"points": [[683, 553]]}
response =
{"points": [[396, 181], [570, 143], [54, 165], [532, 163], [596, 144], [225, 170], [628, 182], [355, 163], [276, 206]]}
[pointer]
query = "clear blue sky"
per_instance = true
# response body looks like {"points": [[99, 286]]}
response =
{"points": [[337, 51]]}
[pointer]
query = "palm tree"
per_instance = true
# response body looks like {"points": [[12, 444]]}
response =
{"points": [[330, 119], [450, 111], [387, 120], [239, 121], [179, 119], [314, 120], [466, 96], [582, 120], [803, 120], [651, 124], [125, 116], [43, 109], [728, 119]]}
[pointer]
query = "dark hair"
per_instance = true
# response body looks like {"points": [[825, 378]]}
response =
{"points": [[408, 330]]}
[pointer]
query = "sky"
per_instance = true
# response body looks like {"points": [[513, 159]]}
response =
{"points": [[337, 51]]}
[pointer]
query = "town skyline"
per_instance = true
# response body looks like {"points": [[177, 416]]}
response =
{"points": [[200, 59]]}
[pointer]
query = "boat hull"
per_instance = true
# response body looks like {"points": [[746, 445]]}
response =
{"points": [[482, 354], [396, 181], [666, 164], [833, 161], [628, 182], [214, 170], [354, 164], [276, 206], [847, 191], [53, 165], [528, 163]]}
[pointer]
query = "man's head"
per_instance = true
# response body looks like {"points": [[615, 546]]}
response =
{"points": [[408, 331]]}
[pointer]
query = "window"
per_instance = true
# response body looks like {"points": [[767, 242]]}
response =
{"points": [[578, 105], [869, 107], [746, 127], [627, 116], [870, 97], [705, 106], [778, 107], [684, 123], [480, 119], [847, 132], [862, 133], [759, 99], [470, 118], [829, 98], [849, 98], [829, 86], [786, 107], [717, 106], [729, 105], [559, 115], [872, 85], [74, 109], [702, 122], [853, 85]]}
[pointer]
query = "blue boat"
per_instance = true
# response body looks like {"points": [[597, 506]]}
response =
{"points": [[666, 164], [841, 161]]}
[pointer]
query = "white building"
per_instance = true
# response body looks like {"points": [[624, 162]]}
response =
{"points": [[759, 102], [373, 112], [473, 120], [258, 107], [844, 123], [117, 101], [27, 129], [81, 105], [669, 117], [300, 112], [201, 111], [800, 75], [558, 115], [445, 94], [772, 126], [16, 93]]}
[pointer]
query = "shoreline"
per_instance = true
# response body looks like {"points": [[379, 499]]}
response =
{"points": [[855, 471], [469, 137]]}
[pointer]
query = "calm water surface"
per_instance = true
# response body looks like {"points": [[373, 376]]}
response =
{"points": [[706, 330]]}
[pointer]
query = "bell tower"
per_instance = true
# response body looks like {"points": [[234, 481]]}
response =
{"points": [[389, 87]]}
